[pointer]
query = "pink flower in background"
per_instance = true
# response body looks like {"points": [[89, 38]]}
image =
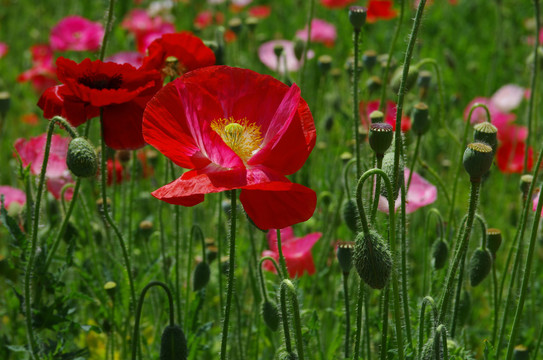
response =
{"points": [[138, 20], [76, 33], [267, 56], [31, 153], [127, 57], [146, 28], [390, 115], [419, 194], [3, 49], [12, 195], [43, 73], [535, 200], [297, 251], [42, 54], [508, 97], [321, 31]]}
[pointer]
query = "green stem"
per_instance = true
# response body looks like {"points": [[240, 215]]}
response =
{"points": [[133, 166], [496, 304], [230, 284], [413, 161], [284, 316], [284, 273], [307, 42], [347, 313], [356, 115], [359, 305], [454, 318], [439, 180], [286, 284], [461, 249], [107, 29], [428, 300], [384, 330], [377, 190], [261, 276], [135, 337]]}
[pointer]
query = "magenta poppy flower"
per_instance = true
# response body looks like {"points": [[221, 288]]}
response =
{"points": [[31, 153], [12, 195], [535, 201], [236, 129], [390, 116], [146, 28], [127, 57], [267, 55], [321, 32], [76, 33], [3, 49], [296, 250], [419, 194]]}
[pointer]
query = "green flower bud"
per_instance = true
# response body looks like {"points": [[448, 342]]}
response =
{"points": [[345, 255], [424, 79], [377, 117], [486, 133], [380, 137], [173, 345], [388, 168], [421, 120], [412, 76], [81, 158], [493, 240], [350, 215], [201, 276], [357, 16], [270, 313], [372, 259], [477, 160], [479, 266], [440, 252]]}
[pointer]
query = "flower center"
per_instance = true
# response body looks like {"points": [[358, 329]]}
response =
{"points": [[241, 136], [101, 81], [173, 67]]}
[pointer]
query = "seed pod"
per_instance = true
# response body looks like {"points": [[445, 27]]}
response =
{"points": [[440, 252], [380, 138], [345, 255], [494, 241], [377, 116], [372, 259], [5, 102], [477, 160], [270, 313], [369, 59], [357, 16], [486, 133], [81, 158], [421, 119], [521, 352], [388, 168], [525, 183], [479, 266], [350, 215], [200, 277], [173, 345]]}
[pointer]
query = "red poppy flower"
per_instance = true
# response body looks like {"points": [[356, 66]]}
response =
{"points": [[510, 157], [297, 251], [390, 116], [188, 49], [336, 4], [236, 129], [260, 11], [119, 172], [122, 91], [380, 10]]}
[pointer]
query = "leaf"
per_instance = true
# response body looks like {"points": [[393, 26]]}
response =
{"points": [[17, 348], [16, 234], [88, 328]]}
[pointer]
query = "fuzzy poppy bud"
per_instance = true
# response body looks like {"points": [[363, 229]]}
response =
{"points": [[5, 102], [440, 252], [298, 48], [270, 313], [479, 266], [493, 240], [477, 160], [201, 276], [357, 16], [421, 119], [369, 59], [486, 133], [525, 183], [380, 137], [81, 158], [372, 259], [388, 168], [345, 256], [521, 352], [350, 215], [173, 345]]}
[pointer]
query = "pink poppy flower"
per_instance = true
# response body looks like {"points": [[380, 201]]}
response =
{"points": [[12, 195], [535, 200], [321, 31], [43, 73], [76, 33], [297, 251], [508, 97], [31, 153], [510, 157], [137, 20], [390, 115], [336, 4], [3, 49], [267, 55], [42, 54], [127, 57], [499, 118], [146, 28], [419, 194]]}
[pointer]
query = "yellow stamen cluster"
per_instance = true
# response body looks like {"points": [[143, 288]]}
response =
{"points": [[242, 137]]}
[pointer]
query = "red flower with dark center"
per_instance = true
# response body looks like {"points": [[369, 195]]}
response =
{"points": [[236, 129], [380, 10], [122, 91], [186, 51]]}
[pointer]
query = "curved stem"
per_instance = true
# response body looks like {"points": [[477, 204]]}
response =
{"points": [[428, 300], [286, 284], [346, 169], [135, 337], [261, 276], [442, 330], [231, 261]]}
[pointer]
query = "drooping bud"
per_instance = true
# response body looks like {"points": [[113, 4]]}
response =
{"points": [[479, 266], [421, 119], [345, 256], [493, 240], [201, 276], [357, 17], [486, 133], [477, 160], [270, 313], [350, 215], [173, 345], [81, 158], [424, 79], [372, 259], [380, 137], [440, 252]]}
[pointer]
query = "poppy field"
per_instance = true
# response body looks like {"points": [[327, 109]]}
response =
{"points": [[254, 179]]}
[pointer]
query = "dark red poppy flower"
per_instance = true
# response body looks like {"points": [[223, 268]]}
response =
{"points": [[380, 10], [122, 91], [120, 176], [336, 4], [297, 251], [236, 129], [188, 50]]}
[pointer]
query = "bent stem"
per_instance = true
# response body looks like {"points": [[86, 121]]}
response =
{"points": [[231, 279], [286, 284]]}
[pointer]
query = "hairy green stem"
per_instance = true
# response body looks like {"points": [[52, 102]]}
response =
{"points": [[356, 114], [347, 313], [286, 284]]}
